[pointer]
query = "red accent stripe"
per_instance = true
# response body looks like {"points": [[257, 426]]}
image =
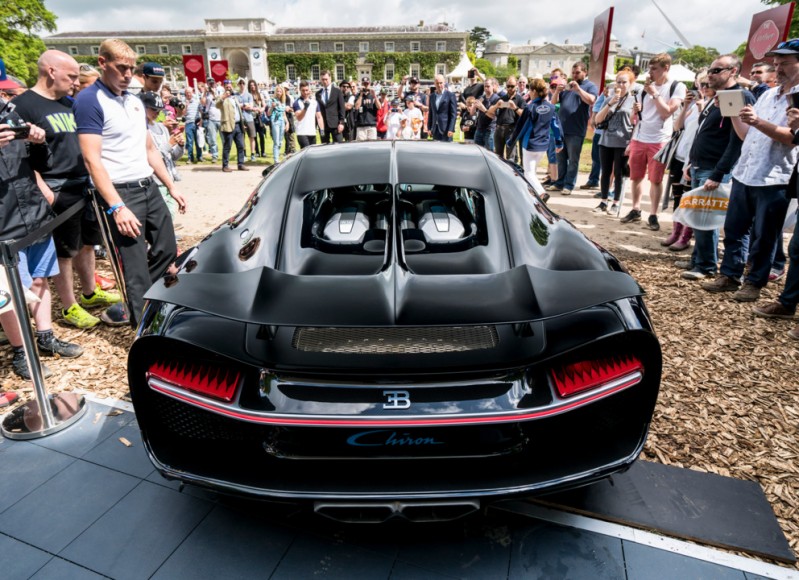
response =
{"points": [[394, 422]]}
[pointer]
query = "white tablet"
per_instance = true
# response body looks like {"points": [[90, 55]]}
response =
{"points": [[730, 102]]}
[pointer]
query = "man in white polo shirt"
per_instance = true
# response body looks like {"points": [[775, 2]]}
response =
{"points": [[121, 158]]}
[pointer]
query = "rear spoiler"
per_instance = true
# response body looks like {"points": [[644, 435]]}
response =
{"points": [[394, 297]]}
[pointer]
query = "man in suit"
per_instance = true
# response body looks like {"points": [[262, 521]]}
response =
{"points": [[331, 106], [443, 112]]}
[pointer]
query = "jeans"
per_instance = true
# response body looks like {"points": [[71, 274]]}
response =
{"points": [[569, 161], [278, 128], [501, 135], [790, 294], [191, 143], [705, 256], [763, 209], [484, 138], [211, 132], [229, 138], [593, 177]]}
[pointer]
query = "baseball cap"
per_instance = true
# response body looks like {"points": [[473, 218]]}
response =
{"points": [[153, 69], [226, 82], [6, 82], [789, 47], [413, 80], [152, 100], [210, 80], [410, 97], [395, 103]]}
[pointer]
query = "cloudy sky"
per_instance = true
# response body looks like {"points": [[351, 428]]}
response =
{"points": [[715, 23]]}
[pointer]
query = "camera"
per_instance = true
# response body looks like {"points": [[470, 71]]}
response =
{"points": [[505, 97]]}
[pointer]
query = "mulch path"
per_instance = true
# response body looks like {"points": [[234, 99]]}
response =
{"points": [[729, 399]]}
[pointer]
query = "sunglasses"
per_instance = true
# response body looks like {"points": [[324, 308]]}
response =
{"points": [[718, 70], [704, 85], [510, 86]]}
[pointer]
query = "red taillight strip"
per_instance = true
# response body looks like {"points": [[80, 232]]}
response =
{"points": [[209, 380], [326, 421], [578, 378]]}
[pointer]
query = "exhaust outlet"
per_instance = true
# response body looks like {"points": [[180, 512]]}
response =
{"points": [[413, 511]]}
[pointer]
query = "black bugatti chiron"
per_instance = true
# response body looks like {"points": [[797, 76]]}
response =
{"points": [[396, 327]]}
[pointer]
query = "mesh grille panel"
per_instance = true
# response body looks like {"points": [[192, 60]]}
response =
{"points": [[430, 340]]}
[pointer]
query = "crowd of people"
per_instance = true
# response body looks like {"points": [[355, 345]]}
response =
{"points": [[120, 132]]}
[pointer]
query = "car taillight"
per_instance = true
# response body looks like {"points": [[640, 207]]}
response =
{"points": [[582, 376], [213, 381]]}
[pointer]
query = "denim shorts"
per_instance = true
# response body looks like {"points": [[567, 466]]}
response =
{"points": [[37, 261]]}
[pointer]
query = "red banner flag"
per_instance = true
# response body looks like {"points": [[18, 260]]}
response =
{"points": [[194, 67], [768, 29], [600, 45], [219, 70]]}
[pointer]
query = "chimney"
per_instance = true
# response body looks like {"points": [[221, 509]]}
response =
{"points": [[421, 23]]}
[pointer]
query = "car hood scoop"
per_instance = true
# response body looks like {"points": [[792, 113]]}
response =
{"points": [[393, 297]]}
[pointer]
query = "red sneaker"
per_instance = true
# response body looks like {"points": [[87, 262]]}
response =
{"points": [[7, 398], [103, 282]]}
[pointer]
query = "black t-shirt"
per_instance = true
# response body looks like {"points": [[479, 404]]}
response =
{"points": [[58, 122], [367, 113], [508, 116], [468, 121]]}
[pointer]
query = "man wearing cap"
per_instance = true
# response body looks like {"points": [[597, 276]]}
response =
{"points": [[148, 76], [331, 105], [366, 112], [421, 101], [121, 158], [759, 180], [443, 112], [64, 184]]}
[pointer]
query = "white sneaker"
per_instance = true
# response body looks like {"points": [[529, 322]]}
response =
{"points": [[613, 209]]}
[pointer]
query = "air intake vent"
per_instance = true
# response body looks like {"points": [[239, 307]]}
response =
{"points": [[431, 340]]}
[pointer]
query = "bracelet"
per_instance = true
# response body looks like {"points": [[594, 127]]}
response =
{"points": [[115, 208]]}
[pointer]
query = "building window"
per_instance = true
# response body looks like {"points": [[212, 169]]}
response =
{"points": [[163, 49], [416, 46], [73, 50], [291, 72], [313, 47], [314, 72], [168, 71], [339, 73], [389, 71], [338, 47], [186, 48], [288, 47], [441, 69], [441, 46], [415, 68], [95, 50], [141, 49], [363, 47], [389, 47]]}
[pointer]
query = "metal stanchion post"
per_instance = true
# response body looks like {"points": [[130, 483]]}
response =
{"points": [[41, 415], [108, 242]]}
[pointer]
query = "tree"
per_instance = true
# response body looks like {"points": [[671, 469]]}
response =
{"points": [[485, 67], [478, 36], [20, 47], [696, 57], [740, 52], [794, 21]]}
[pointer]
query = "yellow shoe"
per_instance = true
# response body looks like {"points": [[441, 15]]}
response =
{"points": [[99, 298], [77, 316]]}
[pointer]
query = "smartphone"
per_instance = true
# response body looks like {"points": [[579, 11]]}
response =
{"points": [[730, 102], [795, 100], [470, 74]]}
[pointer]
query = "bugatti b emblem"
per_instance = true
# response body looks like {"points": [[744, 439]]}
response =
{"points": [[397, 400]]}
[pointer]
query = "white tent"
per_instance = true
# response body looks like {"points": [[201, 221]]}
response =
{"points": [[463, 68], [677, 72]]}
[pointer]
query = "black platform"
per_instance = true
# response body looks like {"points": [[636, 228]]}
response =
{"points": [[80, 504]]}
